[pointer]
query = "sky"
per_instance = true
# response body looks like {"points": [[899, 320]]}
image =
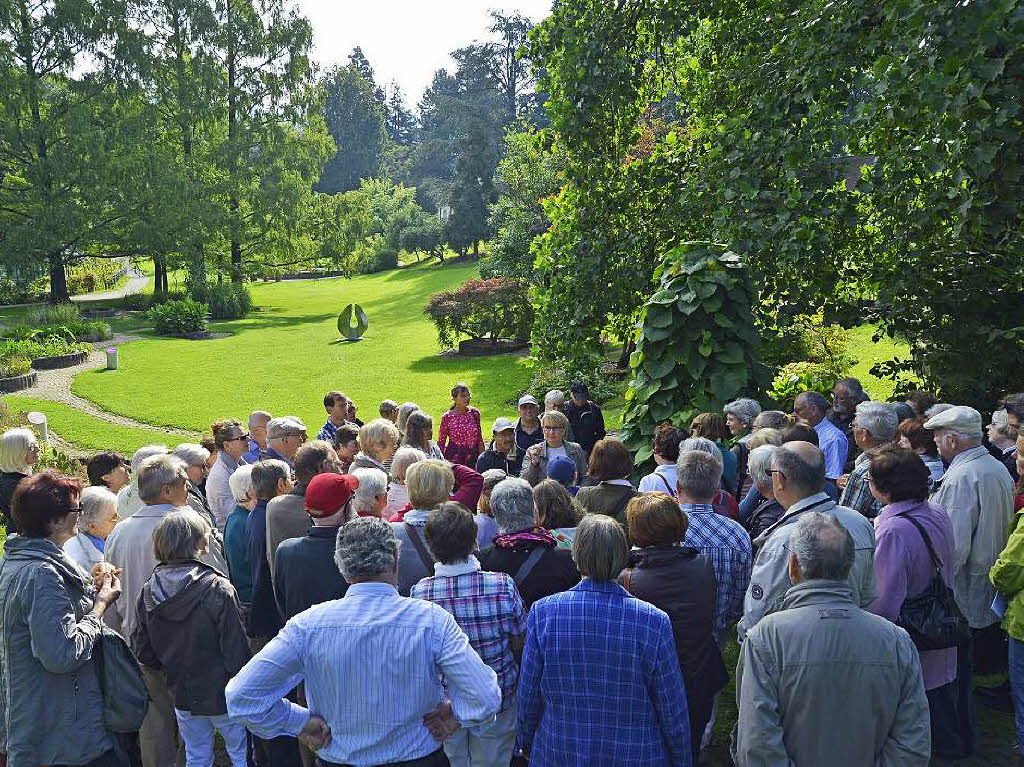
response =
{"points": [[404, 40]]}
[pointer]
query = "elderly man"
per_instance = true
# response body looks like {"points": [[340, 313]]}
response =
{"points": [[392, 708], [810, 407], [231, 440], [128, 500], [304, 570], [528, 431], [285, 435], [846, 395], [1014, 405], [286, 514], [524, 550], [163, 488], [372, 495], [585, 417], [258, 420], [874, 425], [722, 540], [977, 493], [798, 476], [822, 682]]}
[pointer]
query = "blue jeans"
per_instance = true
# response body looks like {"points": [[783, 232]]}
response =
{"points": [[197, 732], [1017, 686]]}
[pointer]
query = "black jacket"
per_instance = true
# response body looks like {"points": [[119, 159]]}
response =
{"points": [[492, 459], [8, 484], [587, 423], [767, 513], [553, 573], [305, 573], [678, 580], [195, 634]]}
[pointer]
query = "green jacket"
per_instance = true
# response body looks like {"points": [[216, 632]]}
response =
{"points": [[1007, 575]]}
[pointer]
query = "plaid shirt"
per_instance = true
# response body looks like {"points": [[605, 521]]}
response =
{"points": [[727, 545], [487, 607], [600, 684], [857, 493]]}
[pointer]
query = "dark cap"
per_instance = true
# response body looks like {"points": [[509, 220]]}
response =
{"points": [[561, 469]]}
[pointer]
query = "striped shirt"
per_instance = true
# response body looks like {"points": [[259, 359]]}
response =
{"points": [[727, 545], [371, 663]]}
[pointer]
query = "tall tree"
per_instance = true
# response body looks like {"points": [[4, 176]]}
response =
{"points": [[358, 60], [510, 62], [356, 122], [399, 119]]}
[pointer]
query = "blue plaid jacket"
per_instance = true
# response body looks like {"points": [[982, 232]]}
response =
{"points": [[727, 545], [600, 684]]}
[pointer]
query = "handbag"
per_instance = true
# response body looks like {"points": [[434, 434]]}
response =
{"points": [[932, 618], [125, 695]]}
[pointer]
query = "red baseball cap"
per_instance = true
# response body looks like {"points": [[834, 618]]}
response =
{"points": [[326, 494]]}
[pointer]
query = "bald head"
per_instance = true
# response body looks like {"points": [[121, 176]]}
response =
{"points": [[799, 472]]}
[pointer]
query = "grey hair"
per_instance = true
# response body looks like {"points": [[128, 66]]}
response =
{"points": [[192, 454], [745, 409], [14, 447], [599, 549], [372, 483], [240, 483], [703, 445], [367, 547], [259, 418], [809, 477], [1001, 421], [555, 395], [774, 419], [824, 549], [934, 410], [156, 473], [144, 452], [491, 479], [557, 416], [93, 501], [265, 476], [879, 419], [512, 505], [698, 474], [814, 399], [180, 535], [405, 457], [404, 411], [758, 463]]}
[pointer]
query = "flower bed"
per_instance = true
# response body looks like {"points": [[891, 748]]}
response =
{"points": [[55, 361]]}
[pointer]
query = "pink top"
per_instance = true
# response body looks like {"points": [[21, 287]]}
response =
{"points": [[460, 430]]}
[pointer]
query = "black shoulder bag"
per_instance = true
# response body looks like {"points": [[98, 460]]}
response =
{"points": [[932, 618]]}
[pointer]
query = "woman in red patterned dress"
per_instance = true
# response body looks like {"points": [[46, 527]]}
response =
{"points": [[460, 437]]}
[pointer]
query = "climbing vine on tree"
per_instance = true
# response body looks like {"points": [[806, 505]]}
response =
{"points": [[696, 345]]}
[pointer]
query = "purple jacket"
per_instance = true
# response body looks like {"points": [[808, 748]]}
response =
{"points": [[903, 568]]}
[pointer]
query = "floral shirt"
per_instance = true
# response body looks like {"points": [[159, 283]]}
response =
{"points": [[460, 437]]}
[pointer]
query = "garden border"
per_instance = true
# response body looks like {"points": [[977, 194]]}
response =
{"points": [[60, 361], [18, 383]]}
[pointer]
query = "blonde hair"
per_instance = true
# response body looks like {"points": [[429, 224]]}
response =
{"points": [[404, 458], [557, 416], [15, 445], [430, 483], [765, 436], [377, 436]]}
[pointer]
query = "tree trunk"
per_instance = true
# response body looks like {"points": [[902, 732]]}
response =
{"points": [[476, 248], [58, 279], [236, 244], [159, 275], [627, 350]]}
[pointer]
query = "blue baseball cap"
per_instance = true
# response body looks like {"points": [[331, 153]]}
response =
{"points": [[561, 469]]}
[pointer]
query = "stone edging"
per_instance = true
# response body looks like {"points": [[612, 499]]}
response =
{"points": [[59, 361], [17, 383]]}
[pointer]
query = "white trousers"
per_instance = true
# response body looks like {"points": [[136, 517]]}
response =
{"points": [[197, 732]]}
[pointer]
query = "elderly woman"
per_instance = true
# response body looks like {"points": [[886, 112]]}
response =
{"points": [[195, 457], [1003, 444], [739, 417], [611, 463], [768, 511], [108, 470], [907, 530], [128, 499], [50, 624], [914, 436], [404, 411], [234, 532], [19, 454], [99, 515], [430, 484], [190, 626], [557, 512], [398, 493], [378, 441], [486, 527], [678, 580], [665, 449], [623, 704], [231, 441], [372, 494], [419, 433], [460, 437], [712, 427], [535, 464]]}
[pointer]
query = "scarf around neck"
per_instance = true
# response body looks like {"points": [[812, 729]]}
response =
{"points": [[536, 534]]}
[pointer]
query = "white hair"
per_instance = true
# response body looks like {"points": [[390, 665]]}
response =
{"points": [[934, 410], [512, 505], [555, 395], [373, 483], [15, 445], [94, 501], [405, 457], [143, 453], [191, 453], [156, 473], [240, 483], [703, 445], [879, 419], [745, 409], [758, 463]]}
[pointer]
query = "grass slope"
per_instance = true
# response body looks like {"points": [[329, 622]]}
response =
{"points": [[286, 356]]}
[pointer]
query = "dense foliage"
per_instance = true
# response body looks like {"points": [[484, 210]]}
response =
{"points": [[178, 318], [697, 344], [496, 308], [228, 301]]}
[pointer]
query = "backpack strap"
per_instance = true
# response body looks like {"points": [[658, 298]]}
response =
{"points": [[421, 549], [528, 564]]}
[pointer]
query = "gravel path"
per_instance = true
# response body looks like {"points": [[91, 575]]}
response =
{"points": [[136, 284], [55, 385]]}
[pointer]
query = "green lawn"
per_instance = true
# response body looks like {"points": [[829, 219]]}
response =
{"points": [[287, 355], [868, 354]]}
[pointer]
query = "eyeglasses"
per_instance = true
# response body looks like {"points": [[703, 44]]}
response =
{"points": [[776, 471], [554, 428], [236, 439], [75, 510]]}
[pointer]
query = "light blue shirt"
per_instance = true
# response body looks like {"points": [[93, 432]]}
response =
{"points": [[834, 444], [372, 664]]}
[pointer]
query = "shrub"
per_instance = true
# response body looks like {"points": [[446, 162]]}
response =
{"points": [[374, 255], [178, 318], [135, 302], [229, 301], [55, 344], [57, 314], [12, 365], [798, 377], [92, 330], [162, 298], [21, 291], [498, 308]]}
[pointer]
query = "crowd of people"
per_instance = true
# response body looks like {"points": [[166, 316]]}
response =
{"points": [[374, 596]]}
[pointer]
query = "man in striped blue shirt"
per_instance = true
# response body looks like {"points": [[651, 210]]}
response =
{"points": [[372, 663]]}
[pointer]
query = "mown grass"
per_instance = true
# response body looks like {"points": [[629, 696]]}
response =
{"points": [[287, 355]]}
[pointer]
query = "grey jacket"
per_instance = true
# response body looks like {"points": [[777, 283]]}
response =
{"points": [[822, 682], [535, 474], [769, 580], [51, 707], [286, 518]]}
